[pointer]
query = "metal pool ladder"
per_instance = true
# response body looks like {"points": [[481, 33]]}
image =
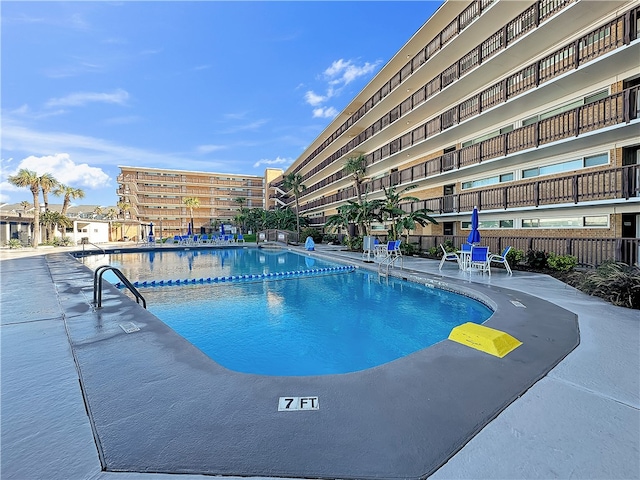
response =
{"points": [[97, 285]]}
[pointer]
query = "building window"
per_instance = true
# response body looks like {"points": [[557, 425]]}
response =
{"points": [[586, 162], [507, 129], [596, 221], [489, 224], [483, 182], [566, 107], [566, 222]]}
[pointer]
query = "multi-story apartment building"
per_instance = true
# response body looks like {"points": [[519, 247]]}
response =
{"points": [[158, 196], [527, 110]]}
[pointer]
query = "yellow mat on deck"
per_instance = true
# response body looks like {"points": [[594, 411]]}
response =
{"points": [[485, 339]]}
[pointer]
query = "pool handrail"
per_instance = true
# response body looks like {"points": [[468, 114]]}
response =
{"points": [[97, 285]]}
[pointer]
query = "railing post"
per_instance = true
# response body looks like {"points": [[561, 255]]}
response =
{"points": [[574, 182]]}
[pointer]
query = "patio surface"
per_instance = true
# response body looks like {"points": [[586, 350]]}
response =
{"points": [[581, 420]]}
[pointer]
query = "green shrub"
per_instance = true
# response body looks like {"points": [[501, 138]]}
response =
{"points": [[14, 243], [311, 232], [449, 246], [354, 243], [616, 282], [515, 256], [433, 251], [249, 237], [330, 238], [62, 242], [537, 259], [562, 263], [409, 248]]}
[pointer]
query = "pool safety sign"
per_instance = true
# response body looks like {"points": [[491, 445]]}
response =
{"points": [[289, 404]]}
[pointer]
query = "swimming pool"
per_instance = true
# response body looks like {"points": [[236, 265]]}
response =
{"points": [[333, 321]]}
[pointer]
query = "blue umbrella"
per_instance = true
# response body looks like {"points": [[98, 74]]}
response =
{"points": [[474, 234], [189, 233]]}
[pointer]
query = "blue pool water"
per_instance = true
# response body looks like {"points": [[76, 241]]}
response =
{"points": [[338, 322]]}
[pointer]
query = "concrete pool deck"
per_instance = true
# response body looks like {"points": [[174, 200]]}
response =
{"points": [[580, 421]]}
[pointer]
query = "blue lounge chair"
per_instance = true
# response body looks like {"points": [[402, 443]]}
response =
{"points": [[393, 253], [480, 260], [448, 256], [240, 238], [502, 258]]}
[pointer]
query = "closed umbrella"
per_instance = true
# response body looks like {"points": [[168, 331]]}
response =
{"points": [[189, 232], [474, 234]]}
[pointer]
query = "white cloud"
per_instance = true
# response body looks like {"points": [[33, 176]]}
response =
{"points": [[80, 99], [314, 99], [209, 148], [338, 75], [93, 150], [284, 162], [324, 112], [343, 72], [65, 170]]}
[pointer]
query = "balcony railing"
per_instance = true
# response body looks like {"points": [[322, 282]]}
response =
{"points": [[616, 109], [531, 18], [600, 41]]}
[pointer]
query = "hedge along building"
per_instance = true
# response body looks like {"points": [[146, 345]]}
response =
{"points": [[527, 109]]}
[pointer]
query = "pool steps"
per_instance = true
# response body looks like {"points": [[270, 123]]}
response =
{"points": [[237, 278]]}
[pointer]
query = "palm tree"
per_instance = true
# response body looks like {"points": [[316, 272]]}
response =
{"points": [[124, 208], [97, 211], [31, 180], [25, 205], [47, 183], [412, 219], [340, 220], [357, 168], [240, 201], [242, 216], [293, 183], [391, 209], [191, 203], [68, 193], [110, 215], [52, 220]]}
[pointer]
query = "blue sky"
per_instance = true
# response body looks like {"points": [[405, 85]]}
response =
{"points": [[229, 87]]}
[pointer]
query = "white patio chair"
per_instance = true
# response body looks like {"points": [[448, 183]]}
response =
{"points": [[479, 260], [448, 256], [502, 258]]}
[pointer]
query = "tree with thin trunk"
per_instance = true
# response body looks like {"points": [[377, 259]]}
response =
{"points": [[191, 203], [124, 208], [391, 209], [47, 183], [68, 193], [31, 180], [293, 183], [25, 205], [356, 167], [110, 215]]}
